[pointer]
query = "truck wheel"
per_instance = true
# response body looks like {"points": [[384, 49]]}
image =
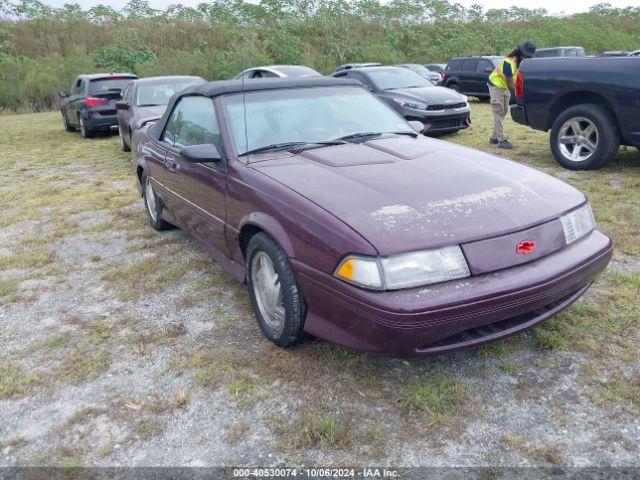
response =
{"points": [[584, 137], [276, 297]]}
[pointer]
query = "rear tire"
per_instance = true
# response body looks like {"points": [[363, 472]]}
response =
{"points": [[85, 131], [153, 205], [584, 137], [123, 143], [276, 297]]}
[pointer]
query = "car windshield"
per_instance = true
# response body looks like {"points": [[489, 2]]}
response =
{"points": [[150, 94], [307, 115], [107, 85], [388, 78]]}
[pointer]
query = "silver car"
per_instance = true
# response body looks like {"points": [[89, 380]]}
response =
{"points": [[278, 71]]}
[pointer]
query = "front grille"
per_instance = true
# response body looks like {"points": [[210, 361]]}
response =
{"points": [[448, 106], [447, 123], [477, 334]]}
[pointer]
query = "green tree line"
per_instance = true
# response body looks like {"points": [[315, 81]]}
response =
{"points": [[43, 48]]}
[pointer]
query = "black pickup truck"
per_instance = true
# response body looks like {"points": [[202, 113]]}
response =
{"points": [[591, 106]]}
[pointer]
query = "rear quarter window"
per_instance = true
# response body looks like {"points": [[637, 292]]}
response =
{"points": [[454, 65], [106, 85], [470, 65]]}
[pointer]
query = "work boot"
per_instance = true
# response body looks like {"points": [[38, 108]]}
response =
{"points": [[493, 141], [505, 144]]}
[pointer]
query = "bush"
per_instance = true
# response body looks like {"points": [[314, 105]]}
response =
{"points": [[43, 48]]}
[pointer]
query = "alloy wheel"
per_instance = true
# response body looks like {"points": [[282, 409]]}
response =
{"points": [[268, 291], [578, 139]]}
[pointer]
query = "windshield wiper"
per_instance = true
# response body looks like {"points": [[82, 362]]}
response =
{"points": [[357, 136], [150, 105], [292, 146]]}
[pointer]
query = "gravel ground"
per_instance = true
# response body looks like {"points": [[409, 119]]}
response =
{"points": [[123, 346]]}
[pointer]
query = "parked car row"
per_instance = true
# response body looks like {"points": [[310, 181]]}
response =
{"points": [[108, 101]]}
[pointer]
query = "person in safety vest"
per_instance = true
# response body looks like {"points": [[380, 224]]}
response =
{"points": [[502, 82]]}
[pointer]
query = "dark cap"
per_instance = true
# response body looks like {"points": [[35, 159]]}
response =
{"points": [[527, 49]]}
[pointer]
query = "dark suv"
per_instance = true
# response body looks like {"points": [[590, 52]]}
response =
{"points": [[469, 75], [91, 104]]}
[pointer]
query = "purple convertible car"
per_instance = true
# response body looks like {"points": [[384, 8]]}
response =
{"points": [[347, 224]]}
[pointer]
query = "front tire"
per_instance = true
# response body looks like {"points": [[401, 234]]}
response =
{"points": [[276, 297], [85, 131], [123, 143], [153, 206], [584, 137]]}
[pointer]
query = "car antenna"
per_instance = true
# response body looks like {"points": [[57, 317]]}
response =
{"points": [[244, 106]]}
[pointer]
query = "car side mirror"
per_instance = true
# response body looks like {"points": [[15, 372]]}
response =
{"points": [[122, 105], [206, 153], [417, 125], [63, 94]]}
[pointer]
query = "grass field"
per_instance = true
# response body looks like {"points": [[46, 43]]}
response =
{"points": [[124, 346]]}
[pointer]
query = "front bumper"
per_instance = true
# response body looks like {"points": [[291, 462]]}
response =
{"points": [[439, 122], [519, 114], [454, 315]]}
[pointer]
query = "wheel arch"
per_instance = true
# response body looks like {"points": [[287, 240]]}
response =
{"points": [[450, 82], [257, 222], [141, 169], [575, 98]]}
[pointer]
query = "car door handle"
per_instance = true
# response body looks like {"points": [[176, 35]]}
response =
{"points": [[173, 166]]}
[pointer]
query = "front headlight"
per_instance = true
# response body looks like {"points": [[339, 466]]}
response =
{"points": [[405, 270], [405, 103], [577, 223], [361, 271], [423, 268]]}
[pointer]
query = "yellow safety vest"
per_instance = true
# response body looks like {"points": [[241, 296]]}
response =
{"points": [[497, 77]]}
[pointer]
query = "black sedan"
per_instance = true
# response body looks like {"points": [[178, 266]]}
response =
{"points": [[144, 101], [440, 109]]}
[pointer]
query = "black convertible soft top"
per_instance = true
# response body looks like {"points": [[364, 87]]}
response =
{"points": [[214, 89], [224, 87]]}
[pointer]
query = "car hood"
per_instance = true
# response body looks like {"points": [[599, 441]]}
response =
{"points": [[404, 194], [426, 94], [143, 115]]}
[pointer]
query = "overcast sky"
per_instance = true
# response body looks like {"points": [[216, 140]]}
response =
{"points": [[553, 6]]}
